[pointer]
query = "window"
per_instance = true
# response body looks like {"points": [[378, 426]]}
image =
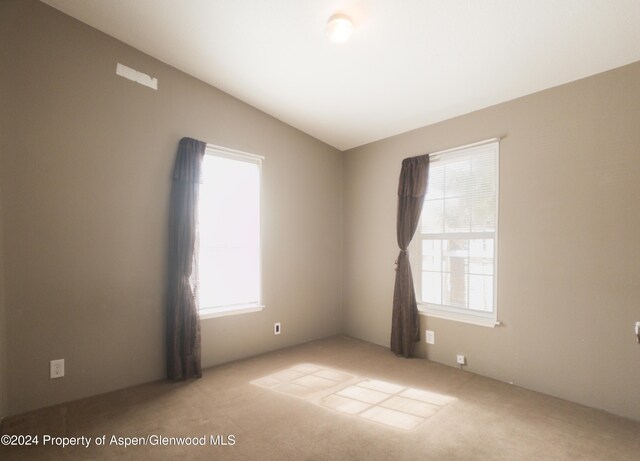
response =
{"points": [[229, 256], [456, 241]]}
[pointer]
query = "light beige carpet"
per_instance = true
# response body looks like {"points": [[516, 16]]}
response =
{"points": [[333, 399]]}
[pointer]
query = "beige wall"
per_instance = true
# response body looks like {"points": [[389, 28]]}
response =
{"points": [[85, 177], [4, 125], [569, 248], [3, 328]]}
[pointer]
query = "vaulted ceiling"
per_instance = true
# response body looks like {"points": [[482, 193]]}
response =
{"points": [[409, 63]]}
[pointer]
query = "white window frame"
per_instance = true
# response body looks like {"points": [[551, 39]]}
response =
{"points": [[487, 319], [212, 312]]}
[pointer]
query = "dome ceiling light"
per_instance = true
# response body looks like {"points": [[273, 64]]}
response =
{"points": [[339, 28]]}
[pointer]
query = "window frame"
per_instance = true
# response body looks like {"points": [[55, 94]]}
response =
{"points": [[212, 312], [464, 315]]}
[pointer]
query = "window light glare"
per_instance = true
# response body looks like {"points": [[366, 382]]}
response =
{"points": [[339, 28]]}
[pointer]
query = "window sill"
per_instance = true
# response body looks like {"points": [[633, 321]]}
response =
{"points": [[225, 311], [472, 320]]}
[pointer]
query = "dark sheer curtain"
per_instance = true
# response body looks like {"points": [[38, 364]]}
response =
{"points": [[405, 325], [183, 321]]}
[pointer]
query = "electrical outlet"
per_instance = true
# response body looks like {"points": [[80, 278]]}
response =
{"points": [[461, 359], [429, 337], [637, 330], [277, 328], [56, 368]]}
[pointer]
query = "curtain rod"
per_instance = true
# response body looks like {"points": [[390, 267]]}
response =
{"points": [[466, 146]]}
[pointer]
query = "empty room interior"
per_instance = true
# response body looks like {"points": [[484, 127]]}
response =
{"points": [[320, 229]]}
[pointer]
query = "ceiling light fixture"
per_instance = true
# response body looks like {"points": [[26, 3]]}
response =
{"points": [[339, 28]]}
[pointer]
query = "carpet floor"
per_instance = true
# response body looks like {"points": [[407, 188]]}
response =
{"points": [[332, 399]]}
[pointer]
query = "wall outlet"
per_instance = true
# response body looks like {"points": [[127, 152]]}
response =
{"points": [[461, 359], [429, 337], [277, 328], [56, 368]]}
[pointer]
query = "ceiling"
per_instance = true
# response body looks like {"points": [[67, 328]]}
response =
{"points": [[409, 63]]}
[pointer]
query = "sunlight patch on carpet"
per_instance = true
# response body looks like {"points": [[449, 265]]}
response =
{"points": [[390, 404]]}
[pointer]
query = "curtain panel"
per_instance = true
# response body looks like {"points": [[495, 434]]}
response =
{"points": [[183, 320], [405, 324]]}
